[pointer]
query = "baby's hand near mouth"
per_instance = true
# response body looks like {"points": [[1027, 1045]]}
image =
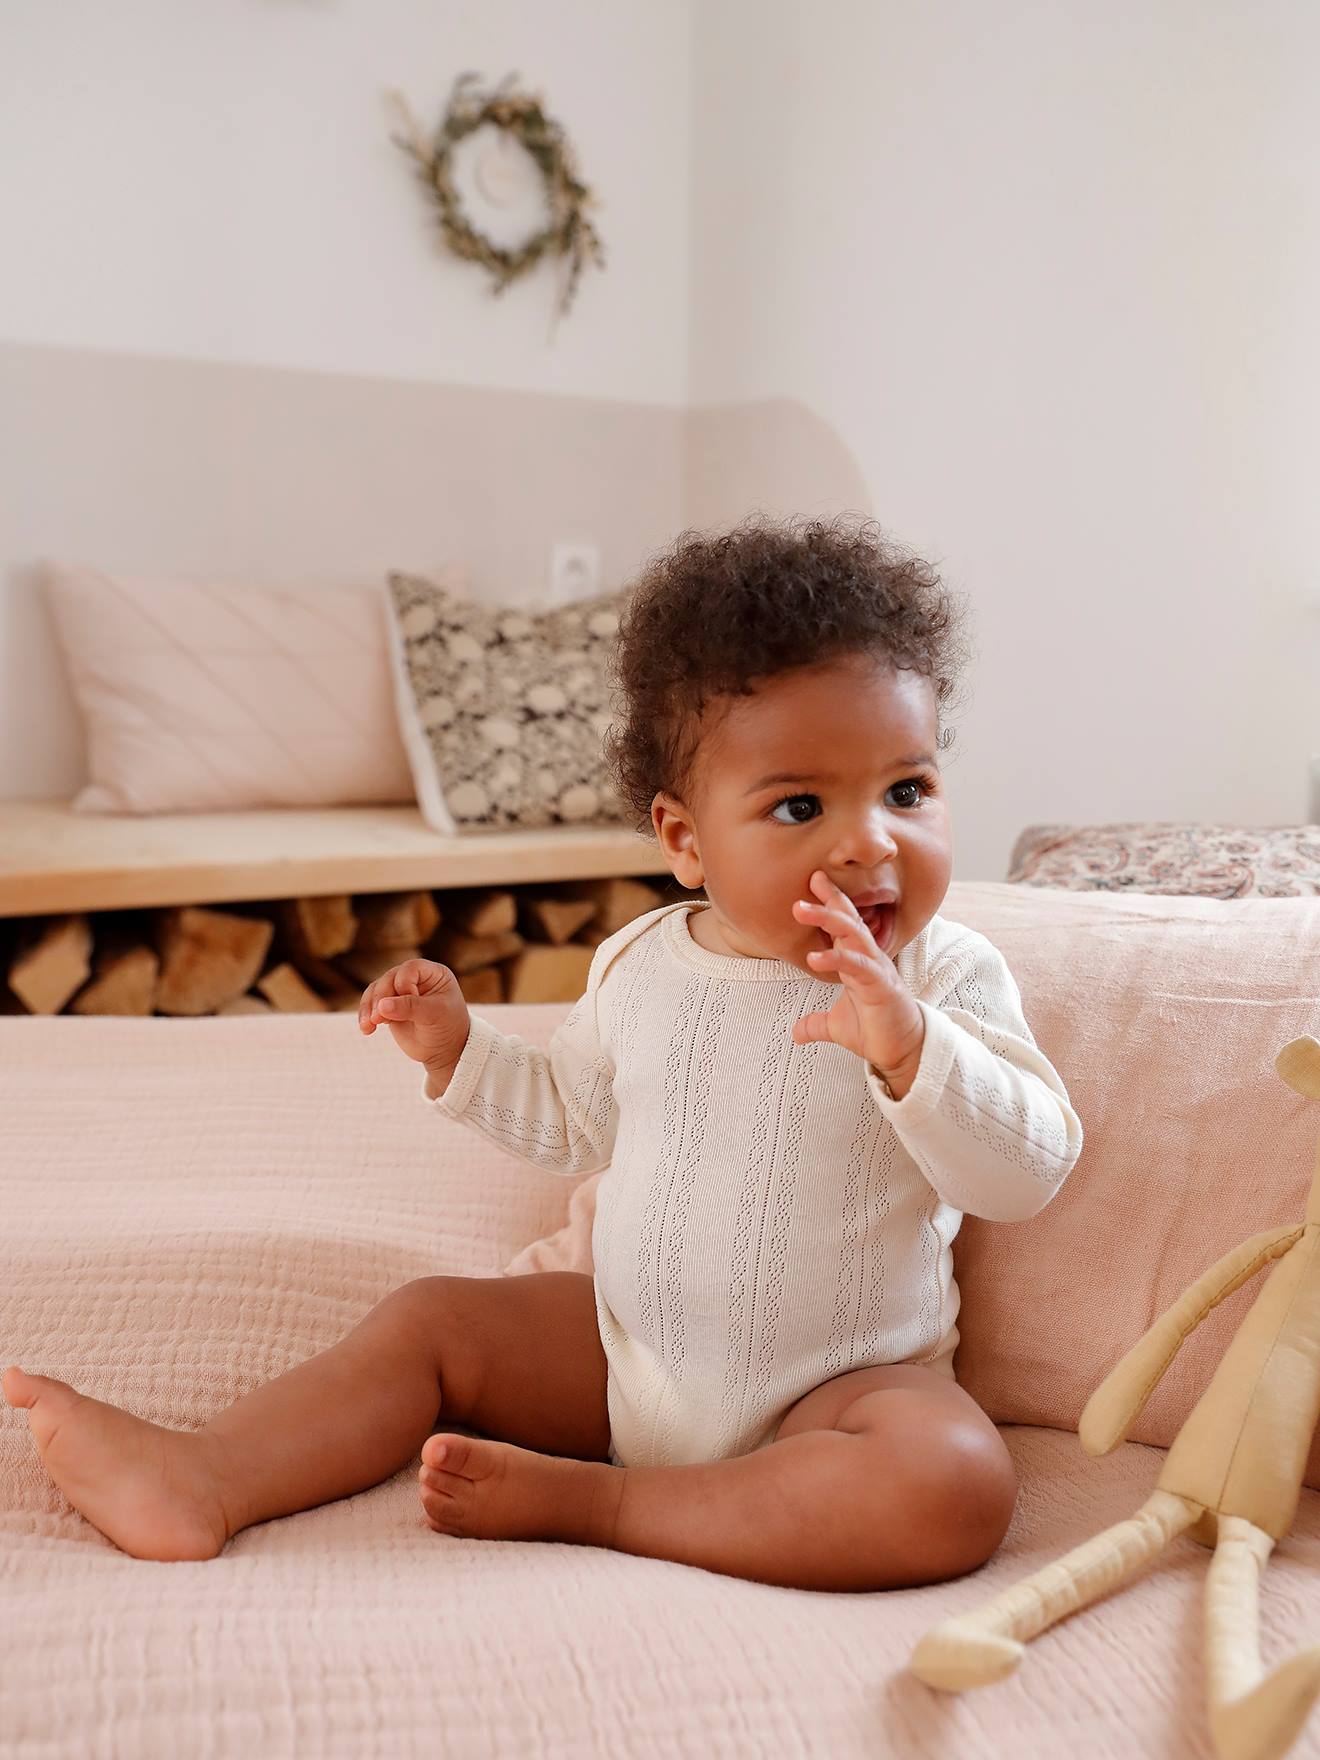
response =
{"points": [[877, 1015]]}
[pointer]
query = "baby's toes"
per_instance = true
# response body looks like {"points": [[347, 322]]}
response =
{"points": [[440, 1510], [488, 1490], [447, 1496], [441, 1451]]}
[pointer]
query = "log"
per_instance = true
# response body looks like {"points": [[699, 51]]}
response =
{"points": [[395, 919], [195, 960], [246, 1005], [125, 983], [549, 974], [555, 920], [591, 936], [327, 980], [366, 964], [617, 902], [483, 913], [285, 989], [46, 974], [467, 953], [319, 927], [208, 958], [486, 984]]}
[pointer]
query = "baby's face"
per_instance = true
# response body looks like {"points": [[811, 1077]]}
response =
{"points": [[832, 767]]}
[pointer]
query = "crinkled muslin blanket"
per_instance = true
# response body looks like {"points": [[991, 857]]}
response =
{"points": [[190, 1207]]}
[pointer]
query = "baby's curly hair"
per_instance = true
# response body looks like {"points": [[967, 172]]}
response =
{"points": [[718, 614]]}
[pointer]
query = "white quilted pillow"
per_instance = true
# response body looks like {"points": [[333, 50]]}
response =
{"points": [[213, 698]]}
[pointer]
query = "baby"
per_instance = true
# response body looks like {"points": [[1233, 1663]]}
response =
{"points": [[799, 1086]]}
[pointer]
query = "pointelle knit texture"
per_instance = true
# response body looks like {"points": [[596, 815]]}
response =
{"points": [[771, 1218]]}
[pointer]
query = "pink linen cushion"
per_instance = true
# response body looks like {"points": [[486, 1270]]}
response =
{"points": [[1163, 1015], [198, 697]]}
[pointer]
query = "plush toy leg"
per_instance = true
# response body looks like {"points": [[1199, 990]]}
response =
{"points": [[1250, 1718], [976, 1648]]}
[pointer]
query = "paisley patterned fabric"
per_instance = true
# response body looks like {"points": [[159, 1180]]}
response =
{"points": [[504, 710], [1212, 861]]}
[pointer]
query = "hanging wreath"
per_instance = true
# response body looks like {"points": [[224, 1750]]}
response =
{"points": [[568, 233]]}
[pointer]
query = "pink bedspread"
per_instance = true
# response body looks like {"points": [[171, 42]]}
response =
{"points": [[190, 1207]]}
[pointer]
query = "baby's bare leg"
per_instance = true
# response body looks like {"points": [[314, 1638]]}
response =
{"points": [[887, 1477], [361, 1410], [521, 1355]]}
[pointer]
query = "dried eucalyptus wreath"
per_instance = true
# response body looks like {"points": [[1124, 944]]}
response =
{"points": [[569, 233]]}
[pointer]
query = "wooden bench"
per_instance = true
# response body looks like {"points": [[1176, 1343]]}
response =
{"points": [[326, 900], [53, 859]]}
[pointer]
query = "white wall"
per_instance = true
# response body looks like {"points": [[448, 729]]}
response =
{"points": [[1052, 271], [216, 180], [1049, 269]]}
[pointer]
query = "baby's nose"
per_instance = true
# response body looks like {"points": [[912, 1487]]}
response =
{"points": [[865, 843]]}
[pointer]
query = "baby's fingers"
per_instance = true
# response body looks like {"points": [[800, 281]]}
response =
{"points": [[366, 1005], [401, 1008], [846, 961], [413, 1002], [835, 923], [811, 1029], [402, 978]]}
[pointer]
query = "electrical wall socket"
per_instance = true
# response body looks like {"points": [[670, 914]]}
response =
{"points": [[574, 572]]}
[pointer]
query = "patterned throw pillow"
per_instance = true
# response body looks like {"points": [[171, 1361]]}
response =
{"points": [[504, 711], [1214, 861]]}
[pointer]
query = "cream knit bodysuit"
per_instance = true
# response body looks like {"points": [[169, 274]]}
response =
{"points": [[770, 1217]]}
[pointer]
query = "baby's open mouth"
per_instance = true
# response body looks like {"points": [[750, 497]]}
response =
{"points": [[879, 919]]}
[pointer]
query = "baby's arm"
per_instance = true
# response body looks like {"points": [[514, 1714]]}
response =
{"points": [[956, 1070], [987, 1117], [554, 1108]]}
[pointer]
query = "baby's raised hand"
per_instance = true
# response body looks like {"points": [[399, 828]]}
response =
{"points": [[421, 1004], [877, 1015]]}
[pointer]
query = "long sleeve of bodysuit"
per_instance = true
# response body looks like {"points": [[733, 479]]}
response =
{"points": [[987, 1118], [554, 1108]]}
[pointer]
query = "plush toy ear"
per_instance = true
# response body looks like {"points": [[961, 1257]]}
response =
{"points": [[1299, 1065]]}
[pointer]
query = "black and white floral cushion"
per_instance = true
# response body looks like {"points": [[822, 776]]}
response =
{"points": [[504, 711]]}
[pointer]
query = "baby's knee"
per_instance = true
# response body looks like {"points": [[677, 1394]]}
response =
{"points": [[969, 1500], [950, 1486], [413, 1304], [443, 1319]]}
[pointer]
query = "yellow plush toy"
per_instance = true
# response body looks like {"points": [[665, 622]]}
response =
{"points": [[1232, 1480]]}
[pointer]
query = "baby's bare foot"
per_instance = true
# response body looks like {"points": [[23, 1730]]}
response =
{"points": [[153, 1491], [478, 1489]]}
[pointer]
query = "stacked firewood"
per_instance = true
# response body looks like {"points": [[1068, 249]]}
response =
{"points": [[506, 944]]}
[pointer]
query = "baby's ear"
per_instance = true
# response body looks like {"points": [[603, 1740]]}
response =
{"points": [[677, 838]]}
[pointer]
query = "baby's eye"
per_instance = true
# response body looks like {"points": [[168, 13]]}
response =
{"points": [[918, 788], [796, 809]]}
